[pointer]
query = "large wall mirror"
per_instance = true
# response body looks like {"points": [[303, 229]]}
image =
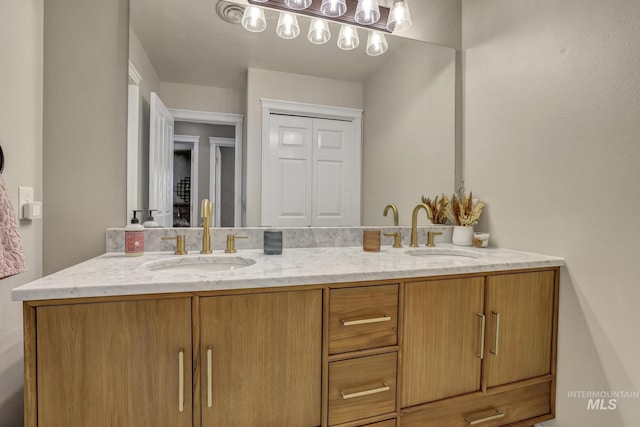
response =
{"points": [[213, 77]]}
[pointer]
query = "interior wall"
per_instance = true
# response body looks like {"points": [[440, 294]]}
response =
{"points": [[202, 98], [284, 87], [551, 144], [412, 119], [85, 127], [21, 141]]}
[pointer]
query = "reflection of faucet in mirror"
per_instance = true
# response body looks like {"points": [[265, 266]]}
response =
{"points": [[414, 223], [206, 211], [395, 213]]}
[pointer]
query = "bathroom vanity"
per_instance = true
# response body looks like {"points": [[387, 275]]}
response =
{"points": [[312, 337]]}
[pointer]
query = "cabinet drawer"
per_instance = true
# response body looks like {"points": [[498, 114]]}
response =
{"points": [[361, 318], [388, 423], [516, 405], [362, 387]]}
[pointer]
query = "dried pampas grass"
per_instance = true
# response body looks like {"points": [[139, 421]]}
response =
{"points": [[465, 210], [438, 209]]}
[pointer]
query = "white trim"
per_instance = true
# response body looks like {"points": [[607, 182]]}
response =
{"points": [[215, 172], [236, 120], [133, 127], [354, 115], [192, 143], [134, 75]]}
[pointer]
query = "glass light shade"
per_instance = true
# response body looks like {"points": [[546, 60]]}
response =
{"points": [[399, 16], [348, 38], [367, 12], [319, 31], [376, 44], [333, 8], [297, 4], [288, 27], [253, 19]]}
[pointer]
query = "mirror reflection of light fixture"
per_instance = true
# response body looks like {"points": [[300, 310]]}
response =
{"points": [[367, 12], [253, 19], [288, 27], [399, 16], [319, 31], [348, 38], [376, 44], [297, 4], [333, 8]]}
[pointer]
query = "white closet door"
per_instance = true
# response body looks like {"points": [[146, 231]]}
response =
{"points": [[161, 162], [333, 173], [288, 197]]}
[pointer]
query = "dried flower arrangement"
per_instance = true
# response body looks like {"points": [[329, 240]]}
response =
{"points": [[465, 210], [438, 209]]}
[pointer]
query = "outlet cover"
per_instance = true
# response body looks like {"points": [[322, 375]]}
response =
{"points": [[25, 195]]}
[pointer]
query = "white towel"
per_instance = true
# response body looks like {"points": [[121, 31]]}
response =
{"points": [[11, 253]]}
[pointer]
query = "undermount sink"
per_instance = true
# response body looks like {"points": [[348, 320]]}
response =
{"points": [[442, 253], [198, 264]]}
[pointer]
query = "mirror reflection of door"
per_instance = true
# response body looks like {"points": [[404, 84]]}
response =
{"points": [[186, 150]]}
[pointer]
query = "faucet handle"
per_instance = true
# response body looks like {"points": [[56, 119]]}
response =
{"points": [[397, 239], [231, 242], [180, 243], [430, 237]]}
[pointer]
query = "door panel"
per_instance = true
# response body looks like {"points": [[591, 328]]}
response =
{"points": [[161, 162]]}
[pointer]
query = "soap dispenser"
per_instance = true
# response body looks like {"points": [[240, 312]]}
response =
{"points": [[134, 237], [150, 222]]}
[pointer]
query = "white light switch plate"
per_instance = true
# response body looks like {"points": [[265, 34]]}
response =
{"points": [[25, 195]]}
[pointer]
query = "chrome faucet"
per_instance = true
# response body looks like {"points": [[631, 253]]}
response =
{"points": [[206, 210], [414, 222], [395, 213]]}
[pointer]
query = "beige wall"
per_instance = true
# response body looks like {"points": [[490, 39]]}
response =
{"points": [[202, 98], [21, 140], [409, 132], [435, 21], [552, 128], [85, 127], [286, 87], [140, 60]]}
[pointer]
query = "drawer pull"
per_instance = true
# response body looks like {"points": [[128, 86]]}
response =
{"points": [[485, 416], [181, 380], [497, 333], [209, 377], [480, 352], [346, 396], [384, 318]]}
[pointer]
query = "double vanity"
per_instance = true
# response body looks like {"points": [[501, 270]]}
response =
{"points": [[317, 336]]}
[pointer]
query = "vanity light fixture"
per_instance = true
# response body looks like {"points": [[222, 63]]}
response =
{"points": [[348, 38], [288, 27], [333, 8], [399, 16], [376, 44], [319, 32], [297, 4], [253, 19], [367, 12]]}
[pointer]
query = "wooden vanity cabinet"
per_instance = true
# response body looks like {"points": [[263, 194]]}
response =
{"points": [[261, 359], [114, 364]]}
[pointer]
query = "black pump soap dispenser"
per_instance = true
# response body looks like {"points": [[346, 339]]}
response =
{"points": [[150, 222], [134, 237]]}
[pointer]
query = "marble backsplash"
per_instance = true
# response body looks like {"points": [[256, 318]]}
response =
{"points": [[304, 237]]}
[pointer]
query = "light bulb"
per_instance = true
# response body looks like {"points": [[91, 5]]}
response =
{"points": [[333, 8], [253, 19], [348, 38], [288, 27], [297, 4], [376, 44], [367, 12], [319, 31], [399, 16]]}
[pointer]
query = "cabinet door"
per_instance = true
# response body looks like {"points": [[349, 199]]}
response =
{"points": [[115, 364], [261, 359], [519, 326], [442, 339]]}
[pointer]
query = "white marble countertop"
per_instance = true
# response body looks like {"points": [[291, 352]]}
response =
{"points": [[115, 274]]}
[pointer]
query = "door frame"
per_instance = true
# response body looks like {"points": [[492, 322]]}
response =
{"points": [[316, 111], [215, 173], [236, 120], [190, 143]]}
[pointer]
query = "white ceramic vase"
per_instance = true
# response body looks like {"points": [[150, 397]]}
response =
{"points": [[462, 235]]}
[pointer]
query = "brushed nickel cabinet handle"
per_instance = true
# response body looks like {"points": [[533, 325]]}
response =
{"points": [[497, 333], [480, 352], [346, 396], [354, 322], [181, 380], [209, 377], [485, 416]]}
